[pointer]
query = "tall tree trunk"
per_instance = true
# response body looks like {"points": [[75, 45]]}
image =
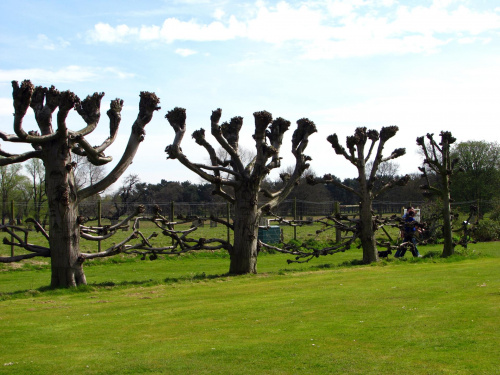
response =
{"points": [[367, 235], [4, 207], [448, 248], [64, 241], [246, 226]]}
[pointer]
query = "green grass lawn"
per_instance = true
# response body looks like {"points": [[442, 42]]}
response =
{"points": [[183, 315]]}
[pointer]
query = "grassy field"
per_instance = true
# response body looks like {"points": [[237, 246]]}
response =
{"points": [[184, 315]]}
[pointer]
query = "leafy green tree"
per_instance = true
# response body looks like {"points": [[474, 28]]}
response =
{"points": [[480, 165], [11, 181]]}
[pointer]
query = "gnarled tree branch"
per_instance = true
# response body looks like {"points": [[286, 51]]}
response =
{"points": [[147, 106]]}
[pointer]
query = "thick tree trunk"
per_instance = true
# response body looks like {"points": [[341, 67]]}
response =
{"points": [[246, 226], [448, 248], [367, 235], [64, 242]]}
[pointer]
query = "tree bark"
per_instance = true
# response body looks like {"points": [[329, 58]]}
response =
{"points": [[367, 232], [448, 248], [64, 238], [246, 225]]}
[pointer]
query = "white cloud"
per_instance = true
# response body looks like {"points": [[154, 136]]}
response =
{"points": [[437, 19], [468, 40], [149, 32], [285, 23], [173, 29], [113, 72], [104, 32], [218, 14], [185, 52], [359, 46], [72, 73], [328, 29]]}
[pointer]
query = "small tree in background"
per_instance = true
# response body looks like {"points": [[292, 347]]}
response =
{"points": [[11, 180], [438, 162], [36, 175], [366, 189], [55, 148], [244, 179], [125, 196], [86, 173], [480, 165]]}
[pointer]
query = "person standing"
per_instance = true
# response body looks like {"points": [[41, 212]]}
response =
{"points": [[409, 230]]}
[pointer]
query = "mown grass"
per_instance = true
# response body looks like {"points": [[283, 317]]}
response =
{"points": [[184, 315]]}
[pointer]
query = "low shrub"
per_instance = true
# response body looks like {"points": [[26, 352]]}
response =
{"points": [[486, 230], [495, 214]]}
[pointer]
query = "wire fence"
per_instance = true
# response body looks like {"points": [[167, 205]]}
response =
{"points": [[17, 212], [109, 213]]}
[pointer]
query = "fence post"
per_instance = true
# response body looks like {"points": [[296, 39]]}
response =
{"points": [[295, 218], [99, 214], [228, 218], [172, 219], [336, 210], [12, 222]]}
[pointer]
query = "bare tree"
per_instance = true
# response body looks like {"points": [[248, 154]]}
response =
{"points": [[55, 148], [437, 161], [86, 173], [367, 190], [387, 169], [245, 179], [36, 174], [124, 197]]}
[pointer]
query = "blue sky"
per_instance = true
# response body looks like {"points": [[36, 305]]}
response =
{"points": [[425, 66]]}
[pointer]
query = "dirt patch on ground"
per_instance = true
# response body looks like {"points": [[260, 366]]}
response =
{"points": [[27, 263]]}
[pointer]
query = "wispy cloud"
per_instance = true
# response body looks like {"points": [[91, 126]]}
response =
{"points": [[44, 42], [72, 73], [328, 29], [185, 52], [104, 32]]}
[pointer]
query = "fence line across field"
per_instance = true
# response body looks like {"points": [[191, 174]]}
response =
{"points": [[292, 208], [199, 212]]}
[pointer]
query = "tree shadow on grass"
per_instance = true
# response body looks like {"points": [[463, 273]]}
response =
{"points": [[106, 285], [433, 256], [324, 266]]}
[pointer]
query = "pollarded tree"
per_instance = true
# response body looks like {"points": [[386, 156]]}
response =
{"points": [[367, 176], [438, 161], [55, 148], [244, 183]]}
